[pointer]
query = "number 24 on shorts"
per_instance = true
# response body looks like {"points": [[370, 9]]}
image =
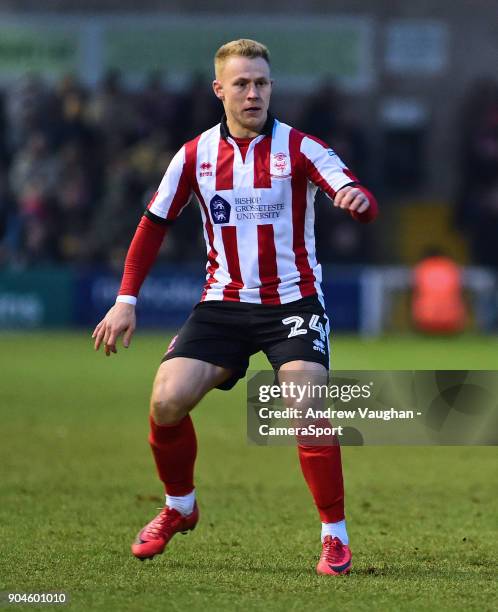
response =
{"points": [[297, 326]]}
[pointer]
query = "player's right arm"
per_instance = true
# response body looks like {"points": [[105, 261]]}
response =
{"points": [[173, 195]]}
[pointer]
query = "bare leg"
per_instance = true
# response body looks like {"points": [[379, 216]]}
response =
{"points": [[179, 386]]}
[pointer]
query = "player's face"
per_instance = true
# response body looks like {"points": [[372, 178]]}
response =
{"points": [[244, 87]]}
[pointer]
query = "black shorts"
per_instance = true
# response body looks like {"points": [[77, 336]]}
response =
{"points": [[228, 333]]}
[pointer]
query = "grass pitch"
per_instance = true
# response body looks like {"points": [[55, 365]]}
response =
{"points": [[77, 482]]}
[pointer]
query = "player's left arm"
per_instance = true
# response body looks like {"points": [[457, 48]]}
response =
{"points": [[327, 171]]}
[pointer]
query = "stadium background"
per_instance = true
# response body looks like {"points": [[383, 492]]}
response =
{"points": [[93, 103], [94, 99]]}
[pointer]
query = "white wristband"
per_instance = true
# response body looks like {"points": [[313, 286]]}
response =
{"points": [[127, 299]]}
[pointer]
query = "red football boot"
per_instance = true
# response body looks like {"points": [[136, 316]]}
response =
{"points": [[335, 558], [152, 539]]}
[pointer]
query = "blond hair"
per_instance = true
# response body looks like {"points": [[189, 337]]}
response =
{"points": [[243, 47]]}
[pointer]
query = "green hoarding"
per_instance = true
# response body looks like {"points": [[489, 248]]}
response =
{"points": [[37, 49], [36, 298], [297, 50]]}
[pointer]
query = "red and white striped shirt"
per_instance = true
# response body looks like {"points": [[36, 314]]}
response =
{"points": [[257, 210]]}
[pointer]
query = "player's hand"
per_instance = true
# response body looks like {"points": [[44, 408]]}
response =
{"points": [[119, 320], [352, 199]]}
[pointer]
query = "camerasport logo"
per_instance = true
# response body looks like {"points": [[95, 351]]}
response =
{"points": [[279, 165], [206, 169]]}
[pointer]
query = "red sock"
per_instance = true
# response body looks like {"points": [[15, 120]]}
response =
{"points": [[175, 449], [322, 470]]}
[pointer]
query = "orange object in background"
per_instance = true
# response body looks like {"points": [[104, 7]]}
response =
{"points": [[438, 305]]}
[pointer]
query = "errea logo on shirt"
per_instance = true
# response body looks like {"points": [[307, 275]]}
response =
{"points": [[220, 210], [206, 169]]}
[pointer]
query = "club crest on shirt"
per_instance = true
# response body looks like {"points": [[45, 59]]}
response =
{"points": [[279, 165], [220, 210]]}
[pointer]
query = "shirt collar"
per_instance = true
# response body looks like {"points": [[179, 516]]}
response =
{"points": [[266, 131]]}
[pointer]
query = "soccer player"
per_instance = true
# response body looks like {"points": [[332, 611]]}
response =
{"points": [[255, 179]]}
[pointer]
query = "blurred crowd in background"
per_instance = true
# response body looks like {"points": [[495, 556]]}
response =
{"points": [[79, 165]]}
